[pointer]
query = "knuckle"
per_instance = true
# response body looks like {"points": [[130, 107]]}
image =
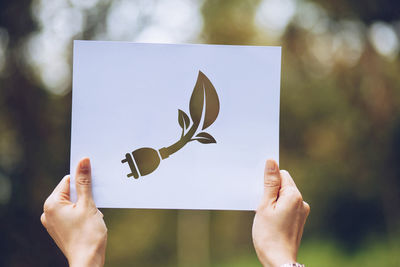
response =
{"points": [[101, 214], [271, 181], [43, 220], [105, 233], [285, 172], [298, 199], [83, 180], [49, 206], [295, 195], [307, 208], [64, 195], [103, 226], [102, 232]]}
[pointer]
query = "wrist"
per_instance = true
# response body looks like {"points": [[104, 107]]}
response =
{"points": [[277, 260], [87, 259]]}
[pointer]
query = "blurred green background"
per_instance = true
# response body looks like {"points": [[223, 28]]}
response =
{"points": [[340, 125]]}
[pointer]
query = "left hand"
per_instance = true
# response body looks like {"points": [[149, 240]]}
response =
{"points": [[77, 228]]}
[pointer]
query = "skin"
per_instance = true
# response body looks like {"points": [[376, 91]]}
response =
{"points": [[280, 218], [79, 230]]}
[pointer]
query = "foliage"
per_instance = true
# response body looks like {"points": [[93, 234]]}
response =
{"points": [[340, 139]]}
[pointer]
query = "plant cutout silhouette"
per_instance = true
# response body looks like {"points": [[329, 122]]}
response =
{"points": [[204, 103]]}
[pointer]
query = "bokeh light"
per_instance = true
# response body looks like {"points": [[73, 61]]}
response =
{"points": [[339, 127], [384, 39], [3, 47]]}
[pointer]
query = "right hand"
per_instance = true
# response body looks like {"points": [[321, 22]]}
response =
{"points": [[280, 218]]}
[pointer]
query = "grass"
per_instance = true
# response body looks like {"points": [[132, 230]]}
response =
{"points": [[319, 253]]}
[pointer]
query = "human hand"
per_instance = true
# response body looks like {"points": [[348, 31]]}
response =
{"points": [[77, 228], [280, 218]]}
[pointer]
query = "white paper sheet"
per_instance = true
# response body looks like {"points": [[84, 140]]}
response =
{"points": [[126, 96]]}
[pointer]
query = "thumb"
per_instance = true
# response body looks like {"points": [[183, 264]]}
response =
{"points": [[272, 181], [83, 180]]}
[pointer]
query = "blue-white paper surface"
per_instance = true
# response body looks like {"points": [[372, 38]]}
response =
{"points": [[126, 96]]}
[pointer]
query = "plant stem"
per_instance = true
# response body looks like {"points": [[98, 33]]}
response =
{"points": [[166, 151]]}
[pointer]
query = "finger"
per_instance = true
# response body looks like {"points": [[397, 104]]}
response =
{"points": [[306, 208], [63, 186], [65, 189], [287, 179], [62, 191], [288, 190], [272, 181], [43, 220], [83, 180]]}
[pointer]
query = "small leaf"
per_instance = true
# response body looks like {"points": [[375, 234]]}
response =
{"points": [[205, 138], [183, 119]]}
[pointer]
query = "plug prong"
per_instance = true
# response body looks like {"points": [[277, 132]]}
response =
{"points": [[128, 158]]}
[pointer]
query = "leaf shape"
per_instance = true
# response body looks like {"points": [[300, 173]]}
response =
{"points": [[197, 100], [183, 119], [212, 103], [204, 91], [205, 138]]}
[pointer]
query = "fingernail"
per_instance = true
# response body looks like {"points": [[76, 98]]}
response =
{"points": [[84, 166], [271, 166]]}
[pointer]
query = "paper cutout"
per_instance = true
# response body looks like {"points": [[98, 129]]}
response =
{"points": [[146, 160]]}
